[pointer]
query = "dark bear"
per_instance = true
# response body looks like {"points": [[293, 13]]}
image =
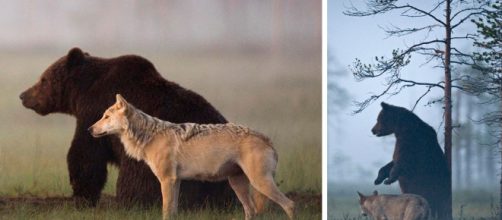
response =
{"points": [[84, 86], [418, 161]]}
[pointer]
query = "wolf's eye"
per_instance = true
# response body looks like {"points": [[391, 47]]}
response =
{"points": [[106, 116]]}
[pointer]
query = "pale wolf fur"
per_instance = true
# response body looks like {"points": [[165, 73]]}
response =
{"points": [[212, 152], [394, 207]]}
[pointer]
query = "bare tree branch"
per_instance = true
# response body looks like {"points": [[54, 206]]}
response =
{"points": [[423, 83], [465, 19], [465, 10], [421, 11], [399, 32], [378, 7], [421, 97]]}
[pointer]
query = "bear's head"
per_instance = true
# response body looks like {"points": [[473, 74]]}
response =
{"points": [[49, 94], [387, 121]]}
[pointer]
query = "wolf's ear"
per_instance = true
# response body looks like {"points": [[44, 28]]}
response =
{"points": [[384, 105], [375, 193], [361, 196], [120, 101]]}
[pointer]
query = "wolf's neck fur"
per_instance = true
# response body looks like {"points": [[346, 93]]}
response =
{"points": [[141, 129]]}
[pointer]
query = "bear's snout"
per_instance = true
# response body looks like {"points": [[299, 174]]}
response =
{"points": [[374, 130], [27, 99], [22, 95]]}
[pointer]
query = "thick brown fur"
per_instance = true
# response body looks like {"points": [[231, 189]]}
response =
{"points": [[418, 161], [206, 152], [84, 86]]}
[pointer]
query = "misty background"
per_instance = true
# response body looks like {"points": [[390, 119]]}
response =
{"points": [[354, 154], [161, 25]]}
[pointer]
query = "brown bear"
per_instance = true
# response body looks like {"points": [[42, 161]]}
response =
{"points": [[84, 86], [418, 161]]}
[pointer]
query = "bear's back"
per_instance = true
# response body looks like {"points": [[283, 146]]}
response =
{"points": [[139, 82]]}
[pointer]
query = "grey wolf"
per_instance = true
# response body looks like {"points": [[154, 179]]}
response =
{"points": [[207, 152], [394, 207]]}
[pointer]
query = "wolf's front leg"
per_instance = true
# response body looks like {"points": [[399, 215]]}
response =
{"points": [[176, 195], [168, 186]]}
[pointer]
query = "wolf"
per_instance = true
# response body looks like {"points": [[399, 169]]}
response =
{"points": [[394, 207], [205, 152]]}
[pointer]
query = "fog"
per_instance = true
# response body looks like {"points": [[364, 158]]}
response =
{"points": [[354, 154], [160, 25]]}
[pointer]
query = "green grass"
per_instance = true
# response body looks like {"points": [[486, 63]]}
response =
{"points": [[68, 211], [467, 205], [277, 95]]}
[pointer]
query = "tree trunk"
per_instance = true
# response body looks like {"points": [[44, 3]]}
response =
{"points": [[500, 194], [457, 166], [447, 104]]}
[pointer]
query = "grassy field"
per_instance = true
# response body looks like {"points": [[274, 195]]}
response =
{"points": [[278, 95], [480, 204]]}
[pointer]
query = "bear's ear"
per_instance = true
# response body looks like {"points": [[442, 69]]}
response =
{"points": [[75, 57], [384, 105], [375, 193]]}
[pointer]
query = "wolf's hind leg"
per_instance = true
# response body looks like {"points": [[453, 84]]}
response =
{"points": [[260, 201], [240, 185], [266, 185]]}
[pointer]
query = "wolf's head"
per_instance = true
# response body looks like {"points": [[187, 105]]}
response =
{"points": [[114, 120], [365, 203]]}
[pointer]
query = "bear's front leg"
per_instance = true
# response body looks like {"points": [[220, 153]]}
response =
{"points": [[87, 160], [394, 174], [384, 173]]}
